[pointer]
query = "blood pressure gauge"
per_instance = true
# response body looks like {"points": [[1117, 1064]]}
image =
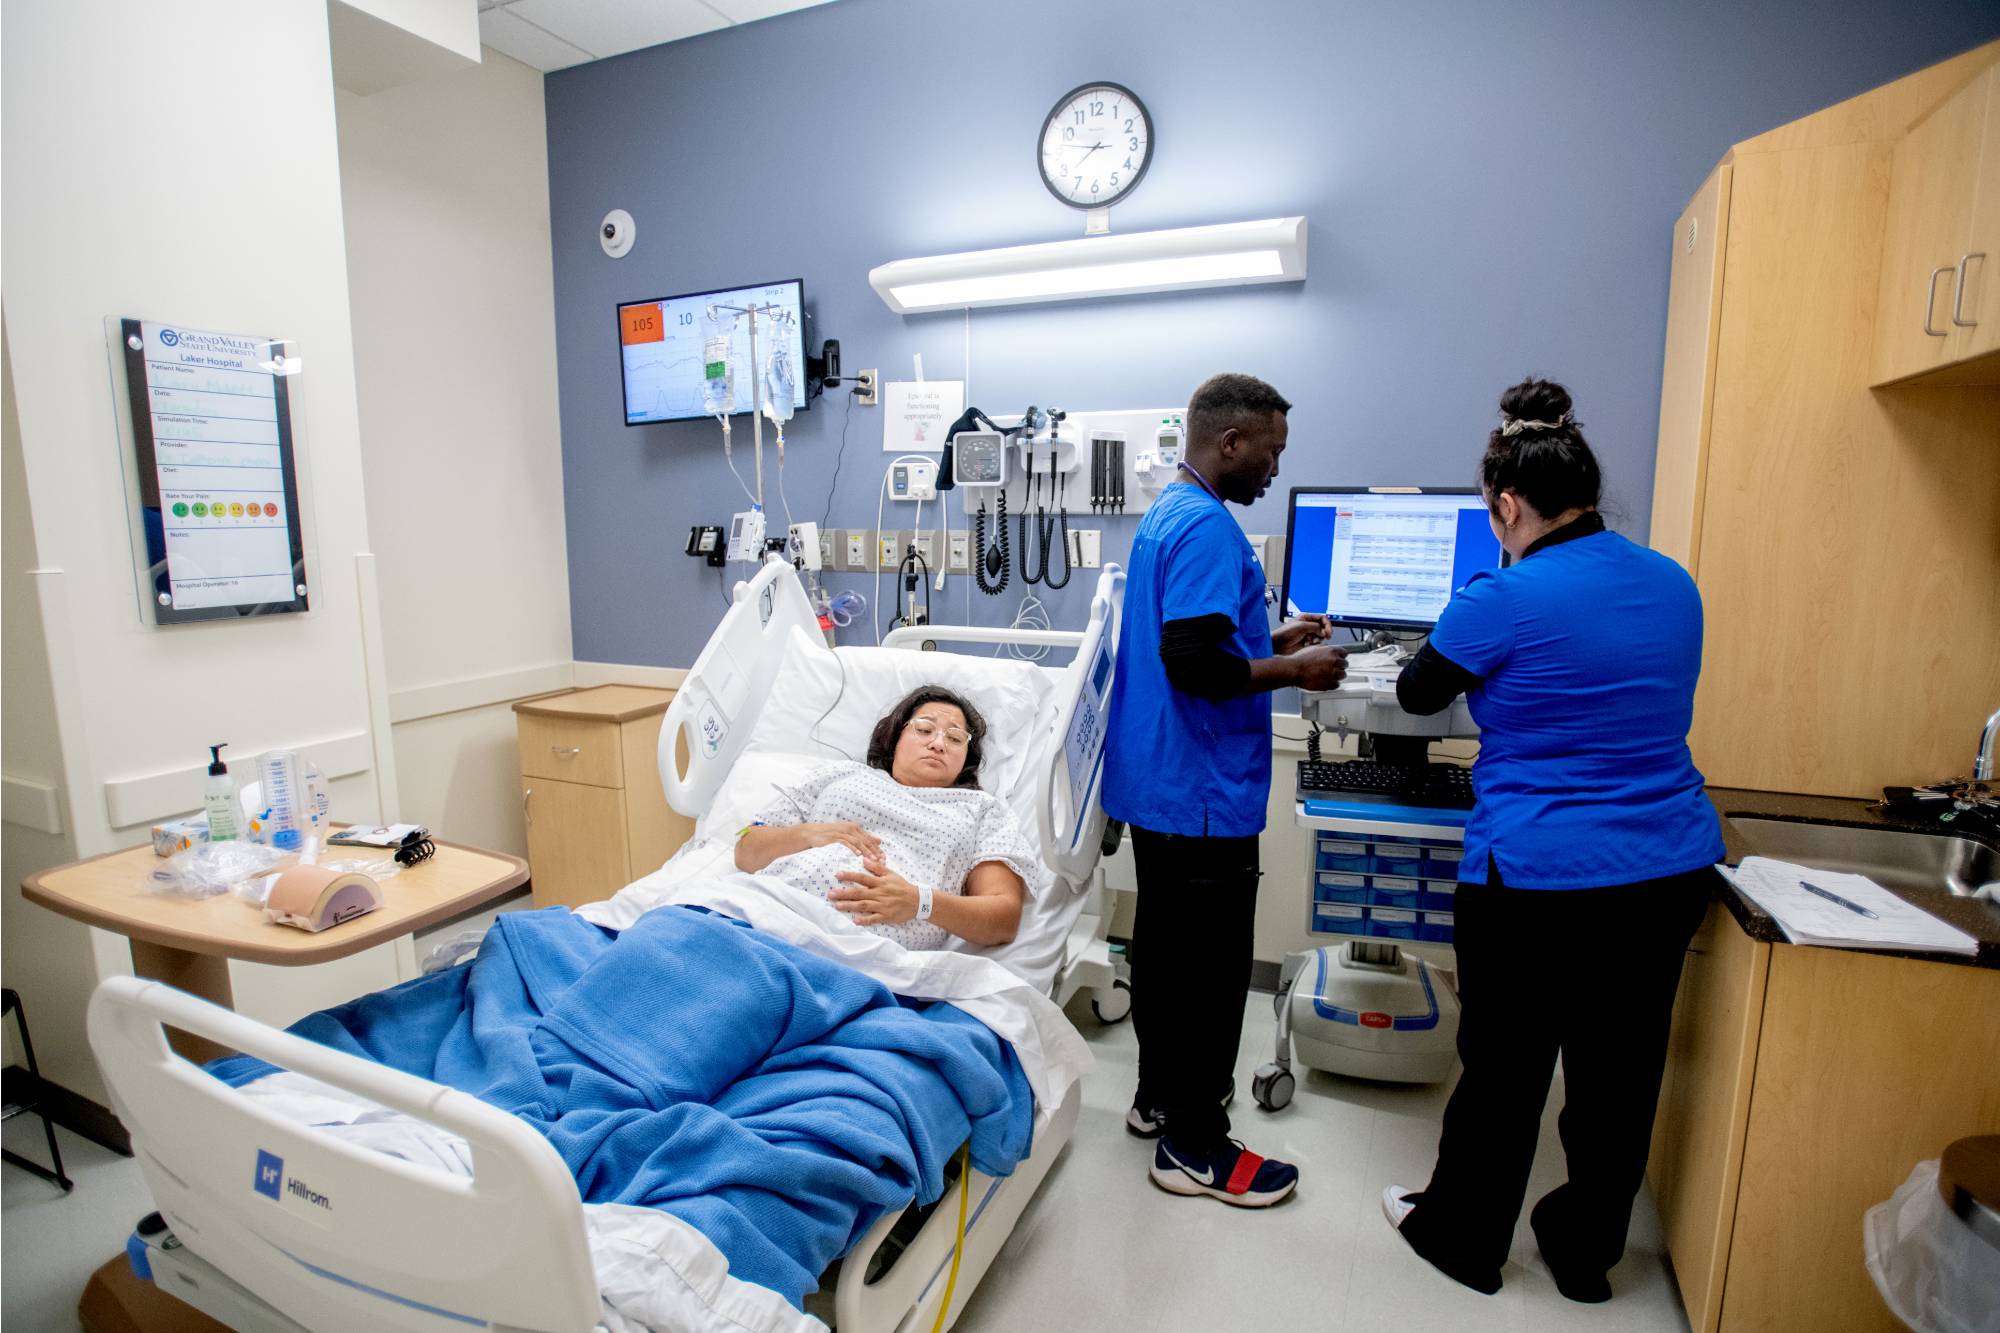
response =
{"points": [[979, 458]]}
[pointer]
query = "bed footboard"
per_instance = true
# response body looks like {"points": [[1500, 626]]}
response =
{"points": [[331, 1234]]}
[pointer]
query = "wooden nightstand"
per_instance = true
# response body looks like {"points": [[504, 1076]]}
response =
{"points": [[590, 788]]}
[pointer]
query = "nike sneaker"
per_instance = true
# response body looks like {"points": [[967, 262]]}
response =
{"points": [[1229, 1172]]}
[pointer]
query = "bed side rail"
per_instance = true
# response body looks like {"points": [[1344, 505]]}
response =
{"points": [[1071, 814], [314, 1225], [710, 720]]}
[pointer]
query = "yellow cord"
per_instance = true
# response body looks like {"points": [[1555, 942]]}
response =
{"points": [[958, 1246]]}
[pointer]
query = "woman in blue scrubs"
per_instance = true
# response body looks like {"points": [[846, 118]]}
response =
{"points": [[1588, 858]]}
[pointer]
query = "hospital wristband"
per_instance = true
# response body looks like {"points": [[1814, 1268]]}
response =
{"points": [[923, 903]]}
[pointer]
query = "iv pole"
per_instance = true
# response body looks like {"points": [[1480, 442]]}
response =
{"points": [[756, 395]]}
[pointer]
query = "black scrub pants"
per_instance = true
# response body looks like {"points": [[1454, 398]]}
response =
{"points": [[1587, 974], [1191, 954]]}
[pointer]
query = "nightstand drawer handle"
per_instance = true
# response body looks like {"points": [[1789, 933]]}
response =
{"points": [[566, 750]]}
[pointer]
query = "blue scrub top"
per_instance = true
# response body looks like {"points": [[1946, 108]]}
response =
{"points": [[1174, 763], [1588, 650]]}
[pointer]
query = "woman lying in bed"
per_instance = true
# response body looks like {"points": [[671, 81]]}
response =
{"points": [[906, 844]]}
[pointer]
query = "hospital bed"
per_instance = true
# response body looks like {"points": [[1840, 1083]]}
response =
{"points": [[371, 1241]]}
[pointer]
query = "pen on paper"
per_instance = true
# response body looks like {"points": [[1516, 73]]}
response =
{"points": [[1833, 897]]}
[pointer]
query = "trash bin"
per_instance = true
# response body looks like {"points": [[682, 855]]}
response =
{"points": [[1933, 1247]]}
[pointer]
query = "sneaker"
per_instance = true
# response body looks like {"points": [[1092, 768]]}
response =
{"points": [[1231, 1173], [1396, 1204], [1144, 1122]]}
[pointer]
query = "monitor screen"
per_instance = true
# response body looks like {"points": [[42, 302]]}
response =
{"points": [[660, 349], [1389, 557]]}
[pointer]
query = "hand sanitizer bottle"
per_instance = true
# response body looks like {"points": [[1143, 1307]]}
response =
{"points": [[219, 800]]}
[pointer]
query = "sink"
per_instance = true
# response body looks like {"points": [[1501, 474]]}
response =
{"points": [[1894, 858]]}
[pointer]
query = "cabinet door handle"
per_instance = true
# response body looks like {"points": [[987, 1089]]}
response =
{"points": [[566, 750], [1930, 300], [527, 817], [1958, 294]]}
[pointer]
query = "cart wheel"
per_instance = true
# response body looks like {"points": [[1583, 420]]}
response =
{"points": [[1112, 1005], [1272, 1085]]}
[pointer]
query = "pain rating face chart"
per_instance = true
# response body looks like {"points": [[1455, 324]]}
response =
{"points": [[211, 421]]}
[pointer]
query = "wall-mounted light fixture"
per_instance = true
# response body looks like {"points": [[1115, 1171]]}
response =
{"points": [[1233, 254]]}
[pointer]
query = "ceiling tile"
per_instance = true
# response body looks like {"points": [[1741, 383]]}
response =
{"points": [[509, 35], [744, 11], [612, 27]]}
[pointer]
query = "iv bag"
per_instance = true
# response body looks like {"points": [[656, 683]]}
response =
{"points": [[718, 383], [780, 377]]}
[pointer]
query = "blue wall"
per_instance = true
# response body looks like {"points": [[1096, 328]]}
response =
{"points": [[1490, 189]]}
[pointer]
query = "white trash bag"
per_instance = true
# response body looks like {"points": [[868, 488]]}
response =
{"points": [[1934, 1274]]}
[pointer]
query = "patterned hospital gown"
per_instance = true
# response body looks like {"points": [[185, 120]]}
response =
{"points": [[929, 835]]}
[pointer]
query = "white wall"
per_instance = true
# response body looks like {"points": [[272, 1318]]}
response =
{"points": [[446, 190], [176, 162]]}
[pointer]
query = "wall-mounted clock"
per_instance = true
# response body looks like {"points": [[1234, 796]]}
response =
{"points": [[1096, 145]]}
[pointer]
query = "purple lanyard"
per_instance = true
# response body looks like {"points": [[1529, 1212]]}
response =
{"points": [[1188, 468]]}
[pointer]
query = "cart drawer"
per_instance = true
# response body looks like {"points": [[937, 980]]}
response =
{"points": [[585, 750]]}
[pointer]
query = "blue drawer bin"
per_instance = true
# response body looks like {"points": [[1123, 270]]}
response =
{"points": [[1403, 859], [1438, 895], [1343, 855], [1333, 887], [1338, 919], [1392, 923], [1394, 891], [1436, 927], [1442, 862]]}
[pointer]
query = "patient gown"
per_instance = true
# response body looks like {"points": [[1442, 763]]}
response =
{"points": [[930, 836]]}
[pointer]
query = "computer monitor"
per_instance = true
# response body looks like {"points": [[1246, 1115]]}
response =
{"points": [[1384, 556], [660, 349]]}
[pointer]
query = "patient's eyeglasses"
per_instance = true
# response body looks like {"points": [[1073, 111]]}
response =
{"points": [[956, 738]]}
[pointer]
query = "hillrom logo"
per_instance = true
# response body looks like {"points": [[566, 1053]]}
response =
{"points": [[271, 1171]]}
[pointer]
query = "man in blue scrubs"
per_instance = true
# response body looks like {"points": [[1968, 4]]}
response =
{"points": [[1188, 767]]}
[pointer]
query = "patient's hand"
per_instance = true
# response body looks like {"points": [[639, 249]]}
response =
{"points": [[852, 836], [879, 896]]}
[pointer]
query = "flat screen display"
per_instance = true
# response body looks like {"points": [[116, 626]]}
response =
{"points": [[1384, 556], [660, 349]]}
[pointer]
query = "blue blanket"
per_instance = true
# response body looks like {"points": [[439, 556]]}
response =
{"points": [[777, 1102]]}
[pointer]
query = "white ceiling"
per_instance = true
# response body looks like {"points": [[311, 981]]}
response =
{"points": [[555, 34]]}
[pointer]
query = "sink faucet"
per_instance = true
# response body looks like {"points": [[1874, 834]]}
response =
{"points": [[1982, 763]]}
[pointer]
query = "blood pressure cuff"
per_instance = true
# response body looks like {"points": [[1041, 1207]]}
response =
{"points": [[1196, 661]]}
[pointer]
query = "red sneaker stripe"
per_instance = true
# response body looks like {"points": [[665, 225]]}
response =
{"points": [[1247, 1163]]}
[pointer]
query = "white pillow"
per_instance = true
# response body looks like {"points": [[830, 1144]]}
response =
{"points": [[825, 703], [750, 788]]}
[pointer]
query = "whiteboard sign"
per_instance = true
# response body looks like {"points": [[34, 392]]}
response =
{"points": [[218, 483], [916, 414]]}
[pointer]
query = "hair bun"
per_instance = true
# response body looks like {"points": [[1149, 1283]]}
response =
{"points": [[1535, 400]]}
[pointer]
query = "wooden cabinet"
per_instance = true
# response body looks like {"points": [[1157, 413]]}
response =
{"points": [[590, 790], [1697, 1157], [1842, 537], [1940, 291], [1802, 1085]]}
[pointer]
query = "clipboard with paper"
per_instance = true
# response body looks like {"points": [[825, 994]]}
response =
{"points": [[1839, 910]]}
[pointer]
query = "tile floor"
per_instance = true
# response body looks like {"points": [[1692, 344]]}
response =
{"points": [[1099, 1247]]}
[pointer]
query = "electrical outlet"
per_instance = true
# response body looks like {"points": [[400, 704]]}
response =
{"points": [[857, 551], [1086, 547], [926, 544], [958, 558], [826, 545], [866, 382]]}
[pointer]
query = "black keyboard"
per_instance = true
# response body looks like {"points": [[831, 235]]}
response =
{"points": [[1440, 786]]}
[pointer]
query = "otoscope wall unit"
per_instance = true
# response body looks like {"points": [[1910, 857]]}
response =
{"points": [[1096, 463]]}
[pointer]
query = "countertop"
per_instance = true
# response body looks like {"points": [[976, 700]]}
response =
{"points": [[1975, 916]]}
